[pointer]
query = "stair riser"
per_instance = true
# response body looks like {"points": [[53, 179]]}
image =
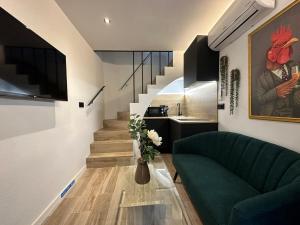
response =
{"points": [[104, 136], [108, 162], [123, 116], [100, 164], [122, 125], [101, 148]]}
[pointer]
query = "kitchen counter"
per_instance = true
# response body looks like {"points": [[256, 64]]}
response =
{"points": [[156, 117], [172, 128], [183, 119]]}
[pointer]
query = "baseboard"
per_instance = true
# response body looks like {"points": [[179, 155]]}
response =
{"points": [[55, 202]]}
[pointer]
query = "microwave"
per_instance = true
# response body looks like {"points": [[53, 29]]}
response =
{"points": [[158, 111]]}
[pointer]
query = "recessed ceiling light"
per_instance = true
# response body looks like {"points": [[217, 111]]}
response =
{"points": [[107, 20]]}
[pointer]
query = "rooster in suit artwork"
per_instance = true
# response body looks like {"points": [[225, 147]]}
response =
{"points": [[277, 90]]}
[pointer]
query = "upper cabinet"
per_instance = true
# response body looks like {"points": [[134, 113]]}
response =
{"points": [[200, 62]]}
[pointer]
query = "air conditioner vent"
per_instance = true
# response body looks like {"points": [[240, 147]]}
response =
{"points": [[238, 19]]}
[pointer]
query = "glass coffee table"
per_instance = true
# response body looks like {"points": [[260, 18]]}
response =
{"points": [[155, 203]]}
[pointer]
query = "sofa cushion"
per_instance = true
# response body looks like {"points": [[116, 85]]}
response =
{"points": [[265, 166], [213, 189]]}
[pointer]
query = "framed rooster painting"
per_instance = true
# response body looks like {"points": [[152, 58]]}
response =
{"points": [[274, 67]]}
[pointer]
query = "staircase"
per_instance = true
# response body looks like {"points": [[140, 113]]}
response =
{"points": [[112, 145], [170, 74]]}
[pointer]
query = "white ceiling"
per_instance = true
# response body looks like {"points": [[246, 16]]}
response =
{"points": [[143, 24]]}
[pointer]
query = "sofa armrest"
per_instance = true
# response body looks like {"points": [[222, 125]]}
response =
{"points": [[196, 144], [278, 207]]}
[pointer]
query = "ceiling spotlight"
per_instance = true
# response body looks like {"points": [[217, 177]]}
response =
{"points": [[107, 20]]}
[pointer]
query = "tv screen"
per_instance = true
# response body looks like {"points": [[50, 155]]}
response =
{"points": [[29, 66]]}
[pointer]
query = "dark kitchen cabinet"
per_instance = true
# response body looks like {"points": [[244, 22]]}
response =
{"points": [[182, 130], [161, 126], [200, 62], [171, 130]]}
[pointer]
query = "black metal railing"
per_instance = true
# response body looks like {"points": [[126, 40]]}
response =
{"points": [[144, 60], [135, 70], [96, 95]]}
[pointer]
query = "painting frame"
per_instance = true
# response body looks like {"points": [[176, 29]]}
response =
{"points": [[250, 83]]}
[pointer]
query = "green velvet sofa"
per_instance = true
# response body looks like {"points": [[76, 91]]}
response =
{"points": [[233, 179]]}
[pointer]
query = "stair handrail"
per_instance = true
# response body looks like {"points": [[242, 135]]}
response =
{"points": [[142, 63], [96, 95]]}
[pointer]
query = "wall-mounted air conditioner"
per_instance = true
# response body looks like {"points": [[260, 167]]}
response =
{"points": [[239, 18]]}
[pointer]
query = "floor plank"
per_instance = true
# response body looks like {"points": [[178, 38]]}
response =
{"points": [[89, 201]]}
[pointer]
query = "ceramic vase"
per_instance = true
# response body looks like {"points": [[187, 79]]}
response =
{"points": [[142, 173]]}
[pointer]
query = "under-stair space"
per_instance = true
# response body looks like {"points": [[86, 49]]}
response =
{"points": [[112, 145]]}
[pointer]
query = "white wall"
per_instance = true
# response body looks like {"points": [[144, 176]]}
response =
{"points": [[282, 133], [43, 145]]}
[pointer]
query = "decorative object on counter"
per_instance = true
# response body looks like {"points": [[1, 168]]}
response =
{"points": [[224, 76], [274, 84], [235, 78], [148, 140]]}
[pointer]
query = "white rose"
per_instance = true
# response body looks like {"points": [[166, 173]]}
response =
{"points": [[152, 134], [158, 142]]}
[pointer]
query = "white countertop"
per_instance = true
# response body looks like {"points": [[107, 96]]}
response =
{"points": [[184, 119]]}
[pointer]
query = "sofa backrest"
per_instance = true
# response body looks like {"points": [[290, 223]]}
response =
{"points": [[263, 165]]}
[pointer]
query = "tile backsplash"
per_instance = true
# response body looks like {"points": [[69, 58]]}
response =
{"points": [[170, 100], [199, 101]]}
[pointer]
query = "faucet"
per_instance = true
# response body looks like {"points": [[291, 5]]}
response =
{"points": [[179, 113]]}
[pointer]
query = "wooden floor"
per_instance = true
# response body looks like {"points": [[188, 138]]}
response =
{"points": [[87, 203]]}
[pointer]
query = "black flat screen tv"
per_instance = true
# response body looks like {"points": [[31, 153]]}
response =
{"points": [[29, 66]]}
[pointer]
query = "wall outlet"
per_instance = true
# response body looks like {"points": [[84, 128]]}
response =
{"points": [[81, 104], [221, 106]]}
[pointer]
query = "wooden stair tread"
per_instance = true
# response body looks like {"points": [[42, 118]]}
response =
{"points": [[111, 134], [116, 120], [126, 141], [107, 129], [110, 155], [111, 146], [115, 124], [123, 116]]}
